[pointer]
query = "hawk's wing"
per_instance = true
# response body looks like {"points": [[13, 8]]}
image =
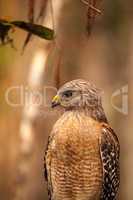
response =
{"points": [[109, 149], [47, 170]]}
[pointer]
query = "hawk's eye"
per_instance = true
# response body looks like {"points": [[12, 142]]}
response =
{"points": [[67, 93]]}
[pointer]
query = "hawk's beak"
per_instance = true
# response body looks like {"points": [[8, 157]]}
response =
{"points": [[55, 101]]}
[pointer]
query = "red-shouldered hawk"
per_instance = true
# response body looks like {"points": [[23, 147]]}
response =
{"points": [[82, 157]]}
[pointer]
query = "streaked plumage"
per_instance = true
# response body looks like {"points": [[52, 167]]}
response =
{"points": [[82, 156]]}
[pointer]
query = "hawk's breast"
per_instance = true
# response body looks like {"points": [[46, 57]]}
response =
{"points": [[76, 171]]}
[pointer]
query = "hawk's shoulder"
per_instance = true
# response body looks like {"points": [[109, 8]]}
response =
{"points": [[109, 150]]}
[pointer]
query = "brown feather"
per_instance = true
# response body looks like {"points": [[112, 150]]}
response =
{"points": [[109, 148]]}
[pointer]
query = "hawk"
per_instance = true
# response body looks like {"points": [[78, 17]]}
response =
{"points": [[82, 156]]}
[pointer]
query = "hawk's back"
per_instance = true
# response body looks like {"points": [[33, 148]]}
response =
{"points": [[73, 158]]}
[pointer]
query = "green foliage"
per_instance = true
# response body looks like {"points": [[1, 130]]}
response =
{"points": [[35, 29]]}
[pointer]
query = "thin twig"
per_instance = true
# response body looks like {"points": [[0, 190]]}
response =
{"points": [[31, 10], [91, 6], [55, 43], [95, 9], [53, 24], [42, 12]]}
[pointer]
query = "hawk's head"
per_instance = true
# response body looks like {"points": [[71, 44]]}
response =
{"points": [[77, 94]]}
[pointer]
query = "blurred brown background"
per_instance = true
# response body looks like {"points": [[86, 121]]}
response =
{"points": [[104, 58]]}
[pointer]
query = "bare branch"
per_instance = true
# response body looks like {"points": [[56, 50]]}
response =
{"points": [[91, 6], [93, 11]]}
